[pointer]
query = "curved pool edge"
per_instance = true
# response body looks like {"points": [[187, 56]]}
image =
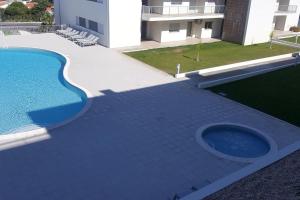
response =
{"points": [[270, 141], [39, 131]]}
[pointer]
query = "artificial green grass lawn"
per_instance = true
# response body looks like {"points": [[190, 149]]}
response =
{"points": [[276, 93], [211, 55], [292, 39]]}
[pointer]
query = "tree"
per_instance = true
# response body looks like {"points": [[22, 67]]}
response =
{"points": [[40, 8], [271, 38], [16, 9], [198, 52]]}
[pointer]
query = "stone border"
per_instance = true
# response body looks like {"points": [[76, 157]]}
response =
{"points": [[220, 81], [246, 171], [234, 65], [267, 138], [24, 137]]}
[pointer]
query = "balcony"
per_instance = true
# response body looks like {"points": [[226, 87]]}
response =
{"points": [[286, 9], [164, 13]]}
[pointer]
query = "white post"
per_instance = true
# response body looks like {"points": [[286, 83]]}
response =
{"points": [[178, 68]]}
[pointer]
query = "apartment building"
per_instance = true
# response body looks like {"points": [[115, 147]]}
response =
{"points": [[127, 23]]}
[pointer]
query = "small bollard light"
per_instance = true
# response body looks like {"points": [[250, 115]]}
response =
{"points": [[178, 68]]}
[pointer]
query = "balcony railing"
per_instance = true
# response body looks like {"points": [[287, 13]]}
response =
{"points": [[287, 8], [183, 10]]}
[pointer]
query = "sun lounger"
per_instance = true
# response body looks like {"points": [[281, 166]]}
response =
{"points": [[81, 35], [60, 32], [69, 34], [88, 41], [88, 38]]}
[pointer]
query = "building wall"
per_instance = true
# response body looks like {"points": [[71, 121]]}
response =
{"points": [[66, 12], [121, 20], [159, 31], [153, 31], [251, 21], [293, 18], [235, 20], [124, 23], [258, 28], [167, 36], [199, 30], [280, 23]]}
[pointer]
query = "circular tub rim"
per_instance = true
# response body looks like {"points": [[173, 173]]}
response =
{"points": [[272, 144]]}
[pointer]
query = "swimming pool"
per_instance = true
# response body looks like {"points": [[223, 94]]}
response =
{"points": [[33, 90]]}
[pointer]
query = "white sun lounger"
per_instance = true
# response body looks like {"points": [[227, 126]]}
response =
{"points": [[88, 42], [81, 35], [60, 32], [88, 38], [72, 33]]}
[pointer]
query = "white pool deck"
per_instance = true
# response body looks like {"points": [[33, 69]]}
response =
{"points": [[137, 140]]}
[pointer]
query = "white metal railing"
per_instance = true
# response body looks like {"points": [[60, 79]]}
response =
{"points": [[183, 10], [287, 8]]}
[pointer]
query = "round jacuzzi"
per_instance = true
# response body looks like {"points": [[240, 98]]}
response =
{"points": [[235, 142]]}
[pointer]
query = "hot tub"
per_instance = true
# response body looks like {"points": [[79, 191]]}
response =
{"points": [[235, 142]]}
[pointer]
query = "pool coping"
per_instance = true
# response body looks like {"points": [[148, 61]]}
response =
{"points": [[264, 136], [18, 138]]}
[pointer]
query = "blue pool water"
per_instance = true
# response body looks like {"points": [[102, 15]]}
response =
{"points": [[236, 141], [33, 91]]}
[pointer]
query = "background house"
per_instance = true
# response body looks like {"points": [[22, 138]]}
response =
{"points": [[127, 23]]}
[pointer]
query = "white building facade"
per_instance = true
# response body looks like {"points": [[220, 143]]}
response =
{"points": [[117, 23], [126, 23]]}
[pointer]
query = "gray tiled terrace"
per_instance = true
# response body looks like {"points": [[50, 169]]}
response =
{"points": [[137, 141]]}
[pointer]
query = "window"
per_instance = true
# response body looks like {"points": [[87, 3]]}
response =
{"points": [[93, 26], [89, 24], [98, 1], [82, 22], [208, 25], [176, 2], [174, 27]]}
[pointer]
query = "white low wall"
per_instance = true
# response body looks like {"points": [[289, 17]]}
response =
{"points": [[234, 66], [159, 31]]}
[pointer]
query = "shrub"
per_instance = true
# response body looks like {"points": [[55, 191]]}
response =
{"points": [[295, 29], [47, 19], [1, 14]]}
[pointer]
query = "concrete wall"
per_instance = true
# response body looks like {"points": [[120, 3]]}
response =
{"points": [[159, 31], [124, 23]]}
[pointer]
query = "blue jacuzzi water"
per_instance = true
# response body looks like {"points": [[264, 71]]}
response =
{"points": [[33, 91], [236, 141]]}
